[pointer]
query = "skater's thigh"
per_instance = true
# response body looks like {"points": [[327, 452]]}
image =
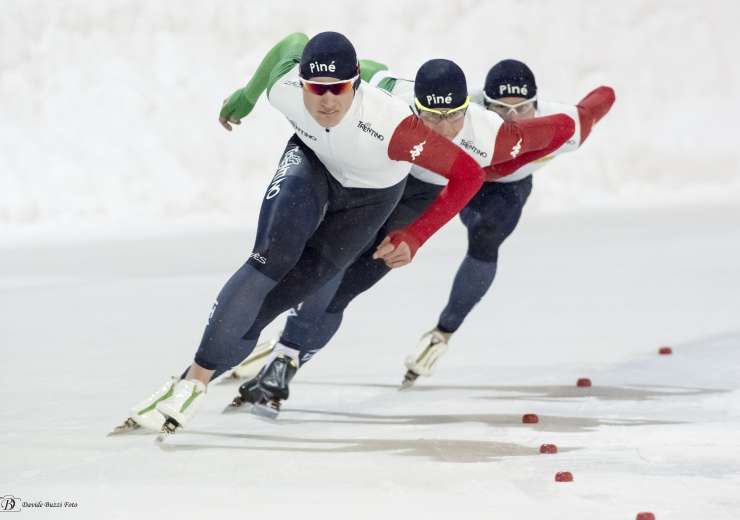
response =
{"points": [[349, 229], [364, 272], [339, 240], [360, 276], [291, 211], [489, 224], [417, 197]]}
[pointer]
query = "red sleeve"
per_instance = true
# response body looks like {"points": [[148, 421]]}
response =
{"points": [[521, 142], [413, 142], [593, 107]]}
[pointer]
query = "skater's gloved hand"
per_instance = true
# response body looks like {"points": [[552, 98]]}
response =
{"points": [[234, 108], [397, 249]]}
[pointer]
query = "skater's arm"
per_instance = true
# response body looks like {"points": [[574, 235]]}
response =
{"points": [[521, 142], [378, 75], [368, 69], [278, 62], [593, 107], [413, 142]]}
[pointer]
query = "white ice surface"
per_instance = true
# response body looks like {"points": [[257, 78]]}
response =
{"points": [[89, 327]]}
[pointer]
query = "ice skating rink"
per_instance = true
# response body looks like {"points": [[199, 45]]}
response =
{"points": [[91, 326]]}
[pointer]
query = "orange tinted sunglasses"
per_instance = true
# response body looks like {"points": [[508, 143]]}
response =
{"points": [[335, 87]]}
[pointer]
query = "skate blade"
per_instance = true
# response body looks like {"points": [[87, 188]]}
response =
{"points": [[169, 427], [408, 380], [127, 426], [258, 410], [238, 404], [264, 411]]}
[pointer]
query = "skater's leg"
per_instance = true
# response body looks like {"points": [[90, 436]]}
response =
{"points": [[319, 320], [291, 212], [312, 271], [316, 334], [307, 328], [290, 288], [472, 281], [303, 320], [490, 218], [341, 237], [312, 332]]}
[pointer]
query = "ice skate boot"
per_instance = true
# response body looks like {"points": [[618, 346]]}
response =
{"points": [[145, 413], [431, 347], [179, 408], [271, 386]]}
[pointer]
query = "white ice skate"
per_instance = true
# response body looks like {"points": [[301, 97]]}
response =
{"points": [[431, 347], [251, 366], [145, 413], [180, 407]]}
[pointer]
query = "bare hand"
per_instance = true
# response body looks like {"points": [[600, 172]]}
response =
{"points": [[393, 256]]}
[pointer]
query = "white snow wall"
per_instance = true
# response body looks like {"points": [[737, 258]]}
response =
{"points": [[108, 109]]}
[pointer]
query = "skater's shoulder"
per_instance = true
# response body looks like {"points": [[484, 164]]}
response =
{"points": [[289, 81], [478, 133], [379, 110], [380, 102], [478, 114]]}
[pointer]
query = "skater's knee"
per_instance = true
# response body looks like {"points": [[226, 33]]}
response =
{"points": [[338, 305], [342, 298], [484, 247], [275, 259], [489, 257]]}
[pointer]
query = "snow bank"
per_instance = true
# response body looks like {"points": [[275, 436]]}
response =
{"points": [[108, 109]]}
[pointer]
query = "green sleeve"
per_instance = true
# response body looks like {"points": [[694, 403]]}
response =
{"points": [[387, 84], [368, 68], [278, 62]]}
